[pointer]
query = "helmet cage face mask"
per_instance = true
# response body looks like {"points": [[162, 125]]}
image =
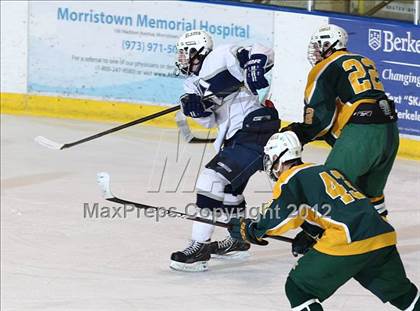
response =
{"points": [[315, 52], [327, 39], [188, 60], [182, 61], [318, 50], [192, 48], [279, 149], [272, 165]]}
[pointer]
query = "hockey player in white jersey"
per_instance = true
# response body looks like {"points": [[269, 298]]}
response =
{"points": [[221, 91]]}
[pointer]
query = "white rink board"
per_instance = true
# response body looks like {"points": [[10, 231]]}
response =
{"points": [[292, 34], [14, 47]]}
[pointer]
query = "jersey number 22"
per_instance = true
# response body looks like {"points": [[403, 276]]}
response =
{"points": [[361, 80]]}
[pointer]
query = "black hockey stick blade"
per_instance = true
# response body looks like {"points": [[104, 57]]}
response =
{"points": [[197, 140], [103, 179]]}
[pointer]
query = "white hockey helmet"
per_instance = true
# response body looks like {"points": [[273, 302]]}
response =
{"points": [[192, 47], [280, 148], [327, 38]]}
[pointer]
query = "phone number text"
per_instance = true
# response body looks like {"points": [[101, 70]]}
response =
{"points": [[144, 47]]}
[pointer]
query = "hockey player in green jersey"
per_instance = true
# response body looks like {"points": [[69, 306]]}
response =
{"points": [[345, 105], [357, 242]]}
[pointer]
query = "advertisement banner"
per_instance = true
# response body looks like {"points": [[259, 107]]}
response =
{"points": [[125, 50], [395, 48]]}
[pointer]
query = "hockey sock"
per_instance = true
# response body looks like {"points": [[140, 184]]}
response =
{"points": [[201, 232], [299, 300], [409, 301]]}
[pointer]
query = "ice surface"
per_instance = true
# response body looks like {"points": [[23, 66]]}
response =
{"points": [[55, 259]]}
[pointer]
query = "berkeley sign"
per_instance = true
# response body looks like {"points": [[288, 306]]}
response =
{"points": [[391, 43], [395, 49]]}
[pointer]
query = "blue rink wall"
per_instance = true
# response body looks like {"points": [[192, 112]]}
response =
{"points": [[103, 61], [395, 48]]}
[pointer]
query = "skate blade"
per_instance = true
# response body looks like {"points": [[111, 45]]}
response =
{"points": [[199, 266], [232, 255]]}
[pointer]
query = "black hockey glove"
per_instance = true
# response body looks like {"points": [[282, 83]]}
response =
{"points": [[194, 107], [297, 128], [254, 73], [302, 243], [241, 229]]}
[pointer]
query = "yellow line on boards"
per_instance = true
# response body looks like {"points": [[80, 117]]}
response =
{"points": [[99, 110]]}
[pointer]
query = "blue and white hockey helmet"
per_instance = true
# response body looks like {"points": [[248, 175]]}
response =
{"points": [[192, 48]]}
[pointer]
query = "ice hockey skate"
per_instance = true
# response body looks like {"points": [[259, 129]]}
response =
{"points": [[229, 248], [194, 258]]}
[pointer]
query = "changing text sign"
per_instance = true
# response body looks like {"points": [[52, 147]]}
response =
{"points": [[395, 48]]}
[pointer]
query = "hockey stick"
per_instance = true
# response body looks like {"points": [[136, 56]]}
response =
{"points": [[103, 180], [58, 146], [185, 131]]}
